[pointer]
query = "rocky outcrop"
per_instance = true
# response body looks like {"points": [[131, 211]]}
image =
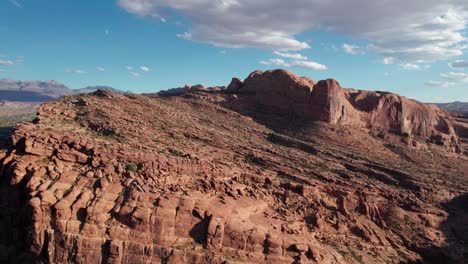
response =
{"points": [[85, 206], [113, 178], [189, 89], [284, 93]]}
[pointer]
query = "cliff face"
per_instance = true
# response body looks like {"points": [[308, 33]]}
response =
{"points": [[112, 178], [285, 93]]}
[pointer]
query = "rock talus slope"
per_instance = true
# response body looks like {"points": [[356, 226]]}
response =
{"points": [[273, 169]]}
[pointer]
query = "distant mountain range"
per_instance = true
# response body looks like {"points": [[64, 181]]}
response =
{"points": [[20, 99], [40, 91], [23, 96], [455, 107]]}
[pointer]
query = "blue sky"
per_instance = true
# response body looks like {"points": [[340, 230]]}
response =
{"points": [[417, 49]]}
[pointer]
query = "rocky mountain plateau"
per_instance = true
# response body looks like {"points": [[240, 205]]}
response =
{"points": [[275, 168], [19, 100]]}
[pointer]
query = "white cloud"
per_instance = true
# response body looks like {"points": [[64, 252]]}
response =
{"points": [[410, 66], [228, 3], [144, 68], [6, 62], [388, 60], [2, 71], [19, 60], [135, 74], [185, 35], [439, 84], [435, 34], [353, 49], [295, 56], [295, 63], [75, 71], [248, 39], [459, 64], [309, 65], [100, 69], [140, 7], [129, 68], [278, 62], [222, 52], [410, 31], [455, 76]]}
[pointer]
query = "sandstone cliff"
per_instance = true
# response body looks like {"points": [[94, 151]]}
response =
{"points": [[204, 177], [285, 93]]}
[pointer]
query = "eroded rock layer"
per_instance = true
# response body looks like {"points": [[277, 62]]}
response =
{"points": [[286, 94], [200, 178]]}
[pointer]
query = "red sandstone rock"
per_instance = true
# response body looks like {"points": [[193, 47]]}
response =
{"points": [[139, 179], [286, 94]]}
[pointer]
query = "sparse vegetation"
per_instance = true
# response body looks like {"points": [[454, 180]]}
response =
{"points": [[9, 121], [180, 163], [132, 166], [177, 153]]}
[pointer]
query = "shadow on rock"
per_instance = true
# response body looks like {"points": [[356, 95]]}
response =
{"points": [[455, 229], [15, 215]]}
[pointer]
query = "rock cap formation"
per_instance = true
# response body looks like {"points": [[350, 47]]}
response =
{"points": [[283, 93]]}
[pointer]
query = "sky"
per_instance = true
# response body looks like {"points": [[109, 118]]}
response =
{"points": [[415, 48]]}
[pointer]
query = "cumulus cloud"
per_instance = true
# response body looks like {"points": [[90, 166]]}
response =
{"points": [[6, 62], [353, 49], [309, 65], [75, 71], [459, 64], [295, 56], [295, 63], [410, 31], [439, 84], [185, 35], [2, 71], [140, 7], [435, 34], [129, 68], [144, 68], [388, 60], [410, 66], [277, 62], [455, 76], [135, 74], [100, 69]]}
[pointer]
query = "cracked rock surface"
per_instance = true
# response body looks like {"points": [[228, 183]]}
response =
{"points": [[273, 169]]}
